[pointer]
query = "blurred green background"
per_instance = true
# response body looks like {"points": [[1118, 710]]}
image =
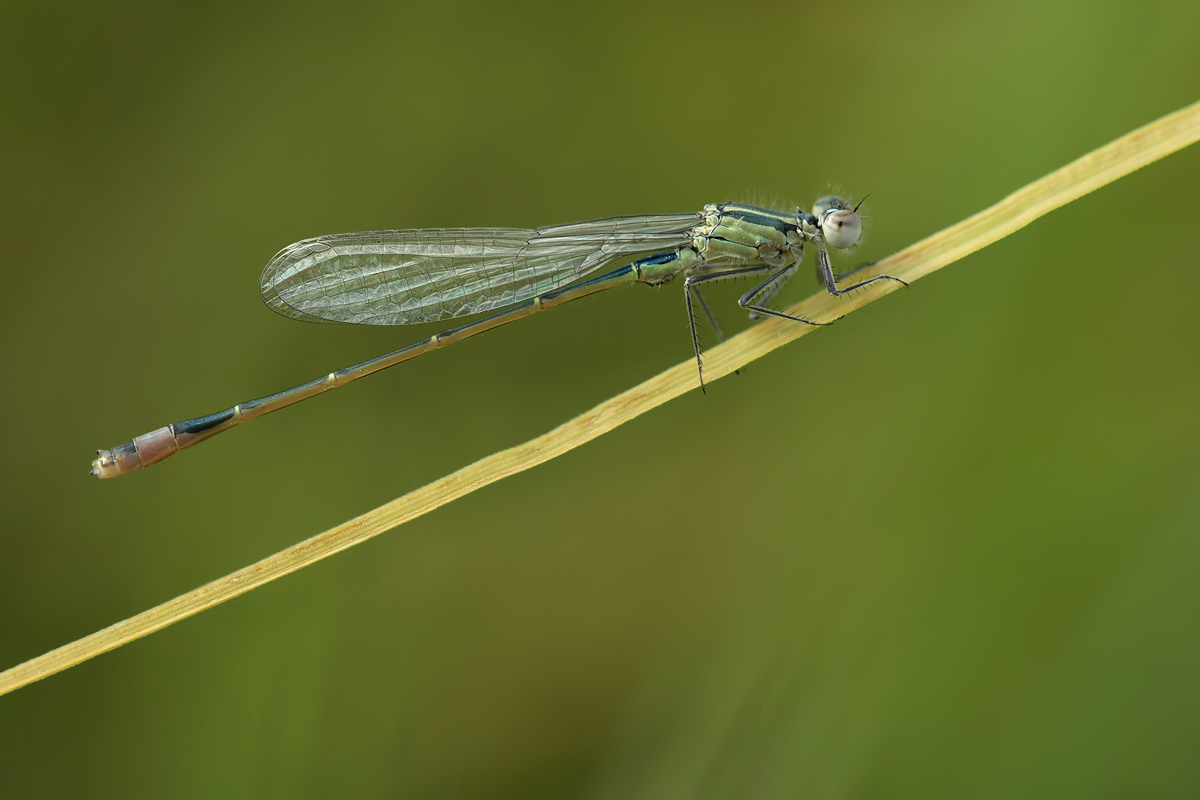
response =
{"points": [[980, 581]]}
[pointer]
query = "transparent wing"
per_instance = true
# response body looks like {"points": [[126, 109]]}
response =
{"points": [[414, 276]]}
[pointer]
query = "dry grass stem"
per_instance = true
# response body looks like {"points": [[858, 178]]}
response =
{"points": [[1076, 179]]}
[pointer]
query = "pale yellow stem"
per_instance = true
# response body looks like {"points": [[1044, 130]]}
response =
{"points": [[1090, 172]]}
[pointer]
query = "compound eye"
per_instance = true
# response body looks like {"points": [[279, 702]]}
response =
{"points": [[828, 203], [841, 228]]}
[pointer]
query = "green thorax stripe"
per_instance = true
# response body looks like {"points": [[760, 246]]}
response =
{"points": [[782, 221]]}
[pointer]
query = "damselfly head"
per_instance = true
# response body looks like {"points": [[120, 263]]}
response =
{"points": [[841, 226]]}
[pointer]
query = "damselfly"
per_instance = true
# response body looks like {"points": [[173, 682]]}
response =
{"points": [[410, 277]]}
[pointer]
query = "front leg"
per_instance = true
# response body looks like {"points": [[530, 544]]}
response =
{"points": [[825, 271]]}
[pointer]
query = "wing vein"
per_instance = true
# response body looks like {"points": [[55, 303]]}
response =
{"points": [[408, 277]]}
